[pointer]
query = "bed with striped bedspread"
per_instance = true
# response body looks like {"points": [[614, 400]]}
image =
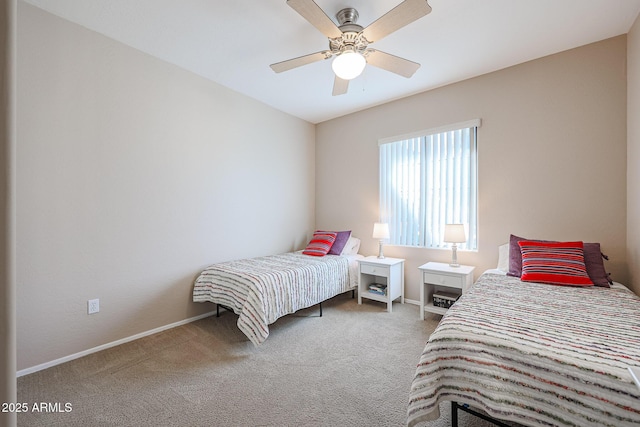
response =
{"points": [[261, 290], [536, 354]]}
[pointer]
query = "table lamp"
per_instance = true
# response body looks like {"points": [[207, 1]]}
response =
{"points": [[381, 232], [454, 233]]}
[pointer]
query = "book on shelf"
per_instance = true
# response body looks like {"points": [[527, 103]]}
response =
{"points": [[377, 288]]}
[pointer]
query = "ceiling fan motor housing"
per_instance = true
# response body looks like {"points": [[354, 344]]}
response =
{"points": [[351, 38], [347, 16]]}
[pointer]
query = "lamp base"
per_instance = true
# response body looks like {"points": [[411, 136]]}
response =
{"points": [[380, 254], [454, 256]]}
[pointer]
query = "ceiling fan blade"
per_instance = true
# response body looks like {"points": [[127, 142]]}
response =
{"points": [[392, 63], [310, 11], [300, 61], [401, 15], [340, 86]]}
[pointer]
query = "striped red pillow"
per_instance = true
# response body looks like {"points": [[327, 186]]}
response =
{"points": [[557, 263], [320, 243]]}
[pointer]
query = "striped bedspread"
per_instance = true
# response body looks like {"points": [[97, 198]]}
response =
{"points": [[536, 354], [261, 290]]}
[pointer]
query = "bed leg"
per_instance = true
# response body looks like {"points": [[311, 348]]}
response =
{"points": [[454, 414], [353, 293], [217, 310], [320, 309]]}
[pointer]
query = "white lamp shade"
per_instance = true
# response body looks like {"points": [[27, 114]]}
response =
{"points": [[381, 230], [348, 65], [454, 233]]}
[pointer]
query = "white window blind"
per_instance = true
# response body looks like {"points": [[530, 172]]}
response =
{"points": [[429, 179]]}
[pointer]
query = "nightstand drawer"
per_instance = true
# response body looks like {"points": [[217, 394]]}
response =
{"points": [[444, 280], [376, 270]]}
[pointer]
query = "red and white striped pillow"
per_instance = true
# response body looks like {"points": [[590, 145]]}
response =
{"points": [[320, 243], [557, 263]]}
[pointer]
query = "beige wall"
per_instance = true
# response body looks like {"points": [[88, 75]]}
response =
{"points": [[552, 150], [7, 214], [633, 155], [133, 175]]}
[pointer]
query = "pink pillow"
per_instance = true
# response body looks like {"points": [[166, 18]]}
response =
{"points": [[320, 243], [557, 263]]}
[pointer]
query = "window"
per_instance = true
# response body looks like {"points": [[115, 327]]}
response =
{"points": [[429, 179]]}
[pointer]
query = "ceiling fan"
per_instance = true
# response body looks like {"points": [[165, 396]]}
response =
{"points": [[349, 42]]}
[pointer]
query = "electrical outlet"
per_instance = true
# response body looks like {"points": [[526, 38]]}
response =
{"points": [[93, 306]]}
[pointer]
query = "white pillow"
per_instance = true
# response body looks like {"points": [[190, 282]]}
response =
{"points": [[503, 257], [352, 247]]}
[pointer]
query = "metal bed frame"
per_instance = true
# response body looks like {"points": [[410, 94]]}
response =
{"points": [[353, 295], [464, 407]]}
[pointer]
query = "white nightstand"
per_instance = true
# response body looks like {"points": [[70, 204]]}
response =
{"points": [[385, 271], [440, 277]]}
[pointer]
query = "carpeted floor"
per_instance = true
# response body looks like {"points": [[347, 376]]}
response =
{"points": [[351, 367]]}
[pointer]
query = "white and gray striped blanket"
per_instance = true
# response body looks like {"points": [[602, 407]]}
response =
{"points": [[261, 290], [536, 354]]}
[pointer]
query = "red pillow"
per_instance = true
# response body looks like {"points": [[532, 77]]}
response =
{"points": [[557, 263], [320, 243], [592, 260]]}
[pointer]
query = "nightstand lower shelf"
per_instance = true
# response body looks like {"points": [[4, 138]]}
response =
{"points": [[375, 297], [439, 277], [434, 309]]}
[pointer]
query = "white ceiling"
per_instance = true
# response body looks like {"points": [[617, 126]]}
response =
{"points": [[232, 42]]}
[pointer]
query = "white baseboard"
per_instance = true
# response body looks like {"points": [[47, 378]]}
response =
{"points": [[411, 301], [109, 345]]}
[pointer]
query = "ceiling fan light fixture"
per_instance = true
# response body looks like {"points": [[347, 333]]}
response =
{"points": [[348, 65]]}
